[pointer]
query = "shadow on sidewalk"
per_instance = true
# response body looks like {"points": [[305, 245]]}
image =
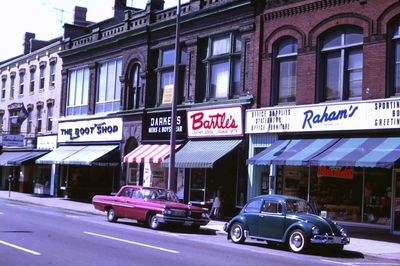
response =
{"points": [[372, 234]]}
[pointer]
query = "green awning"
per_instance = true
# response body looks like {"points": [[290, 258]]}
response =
{"points": [[57, 156], [89, 154], [202, 154], [14, 158]]}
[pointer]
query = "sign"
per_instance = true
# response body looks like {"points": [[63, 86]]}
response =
{"points": [[90, 130], [9, 140], [215, 122], [340, 172], [357, 115], [157, 126], [168, 93], [47, 142]]}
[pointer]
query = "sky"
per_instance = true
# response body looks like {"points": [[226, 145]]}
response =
{"points": [[43, 17]]}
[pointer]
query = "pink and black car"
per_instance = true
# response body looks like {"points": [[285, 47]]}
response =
{"points": [[152, 206]]}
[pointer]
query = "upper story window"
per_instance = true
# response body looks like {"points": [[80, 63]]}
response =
{"points": [[49, 117], [14, 125], [21, 82], [285, 71], [32, 81], [12, 86], [341, 64], [3, 87], [29, 122], [1, 121], [109, 86], [52, 78], [134, 89], [42, 73], [223, 66], [39, 119], [394, 58], [165, 73], [78, 91]]}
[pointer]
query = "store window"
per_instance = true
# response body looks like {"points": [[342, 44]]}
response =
{"points": [[78, 91], [134, 89], [198, 183], [165, 73], [341, 65], [223, 66], [285, 75], [3, 87], [109, 86]]}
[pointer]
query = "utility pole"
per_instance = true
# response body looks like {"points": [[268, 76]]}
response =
{"points": [[171, 169]]}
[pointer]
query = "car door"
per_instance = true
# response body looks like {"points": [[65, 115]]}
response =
{"points": [[271, 221], [121, 202], [252, 212], [135, 202]]}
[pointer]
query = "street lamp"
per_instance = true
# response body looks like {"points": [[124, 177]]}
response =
{"points": [[171, 169]]}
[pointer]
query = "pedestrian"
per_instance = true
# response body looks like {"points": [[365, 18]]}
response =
{"points": [[217, 205]]}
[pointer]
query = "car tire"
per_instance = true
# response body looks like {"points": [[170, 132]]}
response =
{"points": [[111, 217], [153, 222], [298, 241], [236, 233]]}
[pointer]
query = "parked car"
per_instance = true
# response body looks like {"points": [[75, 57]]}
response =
{"points": [[152, 206], [285, 219]]}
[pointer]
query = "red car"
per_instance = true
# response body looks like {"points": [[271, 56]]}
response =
{"points": [[153, 206]]}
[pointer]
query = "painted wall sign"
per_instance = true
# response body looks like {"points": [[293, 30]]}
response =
{"points": [[157, 126], [357, 115], [216, 122], [90, 130], [10, 140], [47, 142]]}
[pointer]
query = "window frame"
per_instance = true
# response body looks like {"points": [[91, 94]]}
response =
{"points": [[3, 88], [82, 107], [21, 83], [39, 119]]}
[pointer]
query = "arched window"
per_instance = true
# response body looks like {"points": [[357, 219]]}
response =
{"points": [[134, 88], [341, 64], [285, 76]]}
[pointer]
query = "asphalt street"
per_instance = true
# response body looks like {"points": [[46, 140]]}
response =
{"points": [[37, 235]]}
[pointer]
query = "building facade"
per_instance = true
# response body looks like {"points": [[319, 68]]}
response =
{"points": [[325, 121]]}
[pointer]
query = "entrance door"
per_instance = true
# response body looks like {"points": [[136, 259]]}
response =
{"points": [[396, 202]]}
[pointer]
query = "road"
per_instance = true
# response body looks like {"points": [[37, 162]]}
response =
{"points": [[37, 235]]}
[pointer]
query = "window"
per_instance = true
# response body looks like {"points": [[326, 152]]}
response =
{"points": [[32, 82], [49, 117], [78, 91], [285, 71], [39, 119], [42, 71], [52, 78], [165, 73], [14, 126], [254, 206], [109, 86], [223, 65], [394, 59], [21, 82], [3, 88], [342, 62], [1, 121], [271, 207], [12, 86], [134, 88], [29, 122]]}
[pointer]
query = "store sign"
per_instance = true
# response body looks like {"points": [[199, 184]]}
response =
{"points": [[90, 130], [217, 122], [9, 140], [47, 142], [339, 172], [157, 126], [358, 115]]}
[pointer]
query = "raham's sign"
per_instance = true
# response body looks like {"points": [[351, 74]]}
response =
{"points": [[215, 122]]}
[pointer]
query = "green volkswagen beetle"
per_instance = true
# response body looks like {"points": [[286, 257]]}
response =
{"points": [[285, 219]]}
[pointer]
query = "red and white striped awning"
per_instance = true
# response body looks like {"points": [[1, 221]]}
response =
{"points": [[150, 153]]}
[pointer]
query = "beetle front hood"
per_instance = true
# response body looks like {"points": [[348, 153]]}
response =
{"points": [[324, 225]]}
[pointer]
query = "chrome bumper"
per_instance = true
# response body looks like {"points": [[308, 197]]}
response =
{"points": [[326, 239], [181, 220]]}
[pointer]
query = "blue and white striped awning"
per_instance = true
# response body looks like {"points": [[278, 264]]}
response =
{"points": [[361, 152], [292, 152]]}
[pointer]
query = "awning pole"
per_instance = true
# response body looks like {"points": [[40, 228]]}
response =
{"points": [[309, 183]]}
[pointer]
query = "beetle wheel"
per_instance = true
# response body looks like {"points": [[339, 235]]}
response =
{"points": [[236, 233], [298, 241], [111, 217]]}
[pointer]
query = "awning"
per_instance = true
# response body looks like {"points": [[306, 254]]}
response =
{"points": [[89, 154], [150, 153], [291, 152], [11, 158], [361, 152], [58, 155], [202, 154]]}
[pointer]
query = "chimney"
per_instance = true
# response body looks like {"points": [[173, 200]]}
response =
{"points": [[27, 41], [154, 5], [80, 15], [119, 9]]}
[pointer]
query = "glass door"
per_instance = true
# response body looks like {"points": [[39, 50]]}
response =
{"points": [[396, 203]]}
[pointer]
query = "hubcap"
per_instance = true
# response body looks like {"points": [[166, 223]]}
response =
{"points": [[154, 222], [236, 232], [296, 241]]}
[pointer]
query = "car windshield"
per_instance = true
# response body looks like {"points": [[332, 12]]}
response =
{"points": [[294, 206], [159, 194]]}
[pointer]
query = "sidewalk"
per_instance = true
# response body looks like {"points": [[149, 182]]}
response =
{"points": [[367, 241]]}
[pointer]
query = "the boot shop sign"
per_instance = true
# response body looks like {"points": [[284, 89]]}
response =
{"points": [[90, 130], [356, 115], [215, 122], [157, 126]]}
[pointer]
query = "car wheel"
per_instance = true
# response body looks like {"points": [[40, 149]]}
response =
{"points": [[236, 233], [111, 217], [153, 222], [298, 241]]}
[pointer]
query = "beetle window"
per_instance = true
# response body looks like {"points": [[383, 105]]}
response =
{"points": [[272, 207], [254, 206]]}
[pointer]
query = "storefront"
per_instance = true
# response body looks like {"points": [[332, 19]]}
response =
{"points": [[213, 159], [144, 162], [343, 157], [87, 159]]}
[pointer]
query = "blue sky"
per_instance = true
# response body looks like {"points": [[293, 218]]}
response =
{"points": [[43, 17]]}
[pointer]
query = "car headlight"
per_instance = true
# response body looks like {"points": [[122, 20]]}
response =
{"points": [[343, 232], [315, 230], [167, 211]]}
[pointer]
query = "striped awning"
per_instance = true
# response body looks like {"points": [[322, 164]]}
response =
{"points": [[9, 158], [150, 153], [202, 154], [292, 152], [361, 152]]}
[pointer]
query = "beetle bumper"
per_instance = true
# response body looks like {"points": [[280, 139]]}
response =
{"points": [[326, 239]]}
